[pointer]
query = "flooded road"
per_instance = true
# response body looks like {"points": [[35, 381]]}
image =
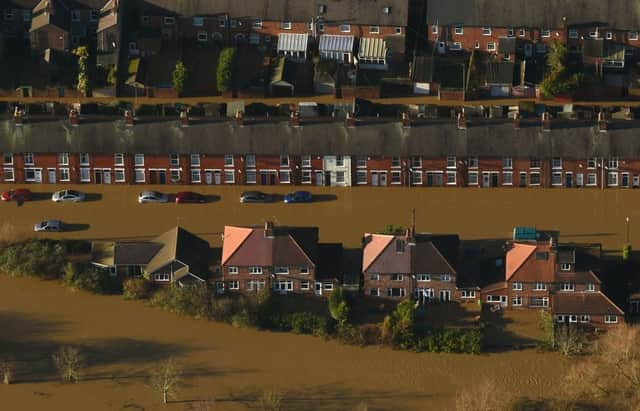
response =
{"points": [[344, 214]]}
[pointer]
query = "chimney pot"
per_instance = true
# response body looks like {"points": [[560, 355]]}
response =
{"points": [[603, 126], [268, 229], [128, 118], [462, 121]]}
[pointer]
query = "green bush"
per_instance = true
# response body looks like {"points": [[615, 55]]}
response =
{"points": [[136, 288], [626, 252], [35, 258], [179, 77], [308, 323], [338, 307], [192, 301], [226, 67], [399, 326], [243, 319], [469, 341], [89, 278], [223, 309], [349, 334]]}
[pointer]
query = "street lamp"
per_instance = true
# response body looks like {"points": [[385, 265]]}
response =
{"points": [[627, 221]]}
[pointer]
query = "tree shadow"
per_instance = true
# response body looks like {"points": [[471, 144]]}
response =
{"points": [[91, 197], [41, 196], [73, 227], [320, 198]]}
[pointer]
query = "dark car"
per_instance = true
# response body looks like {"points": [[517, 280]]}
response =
{"points": [[298, 197], [19, 194], [190, 197], [254, 197]]}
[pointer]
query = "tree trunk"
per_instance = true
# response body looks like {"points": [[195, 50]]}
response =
{"points": [[164, 396]]}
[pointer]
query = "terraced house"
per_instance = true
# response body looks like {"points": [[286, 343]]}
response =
{"points": [[286, 259], [382, 152], [542, 274], [524, 29]]}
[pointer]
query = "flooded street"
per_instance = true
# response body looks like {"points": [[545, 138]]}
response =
{"points": [[344, 214]]}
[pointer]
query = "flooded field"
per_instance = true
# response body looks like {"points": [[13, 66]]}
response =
{"points": [[343, 214], [123, 340]]}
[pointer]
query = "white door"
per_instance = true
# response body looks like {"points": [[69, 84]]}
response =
{"points": [[37, 176], [374, 179], [52, 176], [579, 179], [216, 177], [383, 179], [106, 175], [486, 180], [208, 177], [318, 178], [318, 288]]}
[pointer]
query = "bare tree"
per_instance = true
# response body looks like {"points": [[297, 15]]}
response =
{"points": [[569, 340], [6, 370], [166, 378], [271, 400], [612, 373], [69, 363], [484, 396]]}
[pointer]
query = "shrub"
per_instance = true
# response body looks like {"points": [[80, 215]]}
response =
{"points": [[136, 288], [69, 362], [371, 334], [569, 339], [348, 334], [43, 259], [6, 370], [243, 319], [398, 327], [191, 301], [338, 307], [89, 278], [626, 252], [179, 77], [270, 400], [224, 73], [223, 309], [306, 323], [112, 76]]}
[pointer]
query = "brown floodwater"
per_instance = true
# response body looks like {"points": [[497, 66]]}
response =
{"points": [[123, 340]]}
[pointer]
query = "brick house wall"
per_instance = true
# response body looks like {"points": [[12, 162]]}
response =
{"points": [[240, 282], [409, 283]]}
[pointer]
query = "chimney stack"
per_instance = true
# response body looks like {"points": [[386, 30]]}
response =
{"points": [[18, 116], [516, 120], [462, 121], [128, 118], [628, 113], [406, 120], [603, 126], [295, 118], [239, 118], [184, 118], [74, 120], [546, 122], [411, 231], [268, 229], [350, 121]]}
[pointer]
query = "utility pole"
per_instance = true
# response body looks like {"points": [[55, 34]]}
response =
{"points": [[627, 223]]}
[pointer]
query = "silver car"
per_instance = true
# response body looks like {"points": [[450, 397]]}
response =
{"points": [[49, 225], [67, 196], [152, 197], [255, 197]]}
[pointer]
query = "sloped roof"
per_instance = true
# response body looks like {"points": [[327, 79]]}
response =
{"points": [[375, 244], [426, 258], [595, 303], [135, 253], [517, 256], [621, 14], [372, 48], [578, 277], [179, 244], [293, 42], [352, 11], [333, 42], [289, 246]]}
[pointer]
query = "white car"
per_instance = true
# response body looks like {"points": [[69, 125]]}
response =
{"points": [[70, 196], [49, 225], [152, 197]]}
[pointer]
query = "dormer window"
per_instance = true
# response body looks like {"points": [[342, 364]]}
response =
{"points": [[510, 32], [567, 287], [459, 30], [232, 270], [565, 267], [386, 10], [591, 287], [281, 270], [397, 277], [286, 25], [400, 244], [522, 32], [322, 9], [486, 31]]}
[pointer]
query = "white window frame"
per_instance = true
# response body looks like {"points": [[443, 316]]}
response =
{"points": [[556, 163], [305, 285], [139, 172], [590, 287], [255, 270], [85, 159], [507, 163], [397, 277], [162, 277], [64, 174], [565, 267], [612, 179], [374, 277], [610, 319], [467, 294], [374, 29], [169, 20], [304, 270], [119, 175], [633, 35], [63, 159], [257, 24], [516, 301], [281, 270], [228, 160], [458, 30], [423, 277], [28, 159], [567, 286], [234, 285], [472, 178], [174, 159], [138, 160], [231, 174], [6, 171], [285, 25], [4, 158], [517, 286], [507, 178], [556, 178], [445, 278], [118, 159], [305, 161], [486, 31], [491, 46], [85, 174], [195, 172], [232, 270], [546, 33], [451, 181], [251, 176], [592, 179]]}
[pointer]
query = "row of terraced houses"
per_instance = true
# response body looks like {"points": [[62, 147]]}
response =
{"points": [[474, 152], [535, 273]]}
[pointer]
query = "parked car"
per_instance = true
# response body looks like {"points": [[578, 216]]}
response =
{"points": [[67, 196], [298, 197], [19, 194], [190, 197], [255, 197], [49, 225], [152, 197]]}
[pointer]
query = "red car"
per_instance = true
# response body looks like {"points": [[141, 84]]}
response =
{"points": [[190, 197], [20, 194]]}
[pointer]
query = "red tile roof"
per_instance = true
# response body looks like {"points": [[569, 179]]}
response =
{"points": [[517, 256], [595, 303]]}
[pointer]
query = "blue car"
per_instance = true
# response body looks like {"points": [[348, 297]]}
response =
{"points": [[298, 197]]}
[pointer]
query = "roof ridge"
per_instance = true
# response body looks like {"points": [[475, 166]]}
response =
{"points": [[381, 250]]}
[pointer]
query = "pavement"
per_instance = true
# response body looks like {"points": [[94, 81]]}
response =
{"points": [[342, 214]]}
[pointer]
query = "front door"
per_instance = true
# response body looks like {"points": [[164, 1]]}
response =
{"points": [[445, 295], [37, 176], [98, 176], [106, 175], [318, 288], [625, 179], [579, 179], [383, 179], [494, 179], [263, 178], [208, 177], [162, 177], [486, 181], [374, 179], [217, 177], [52, 176], [568, 180], [523, 179], [327, 178], [318, 178]]}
